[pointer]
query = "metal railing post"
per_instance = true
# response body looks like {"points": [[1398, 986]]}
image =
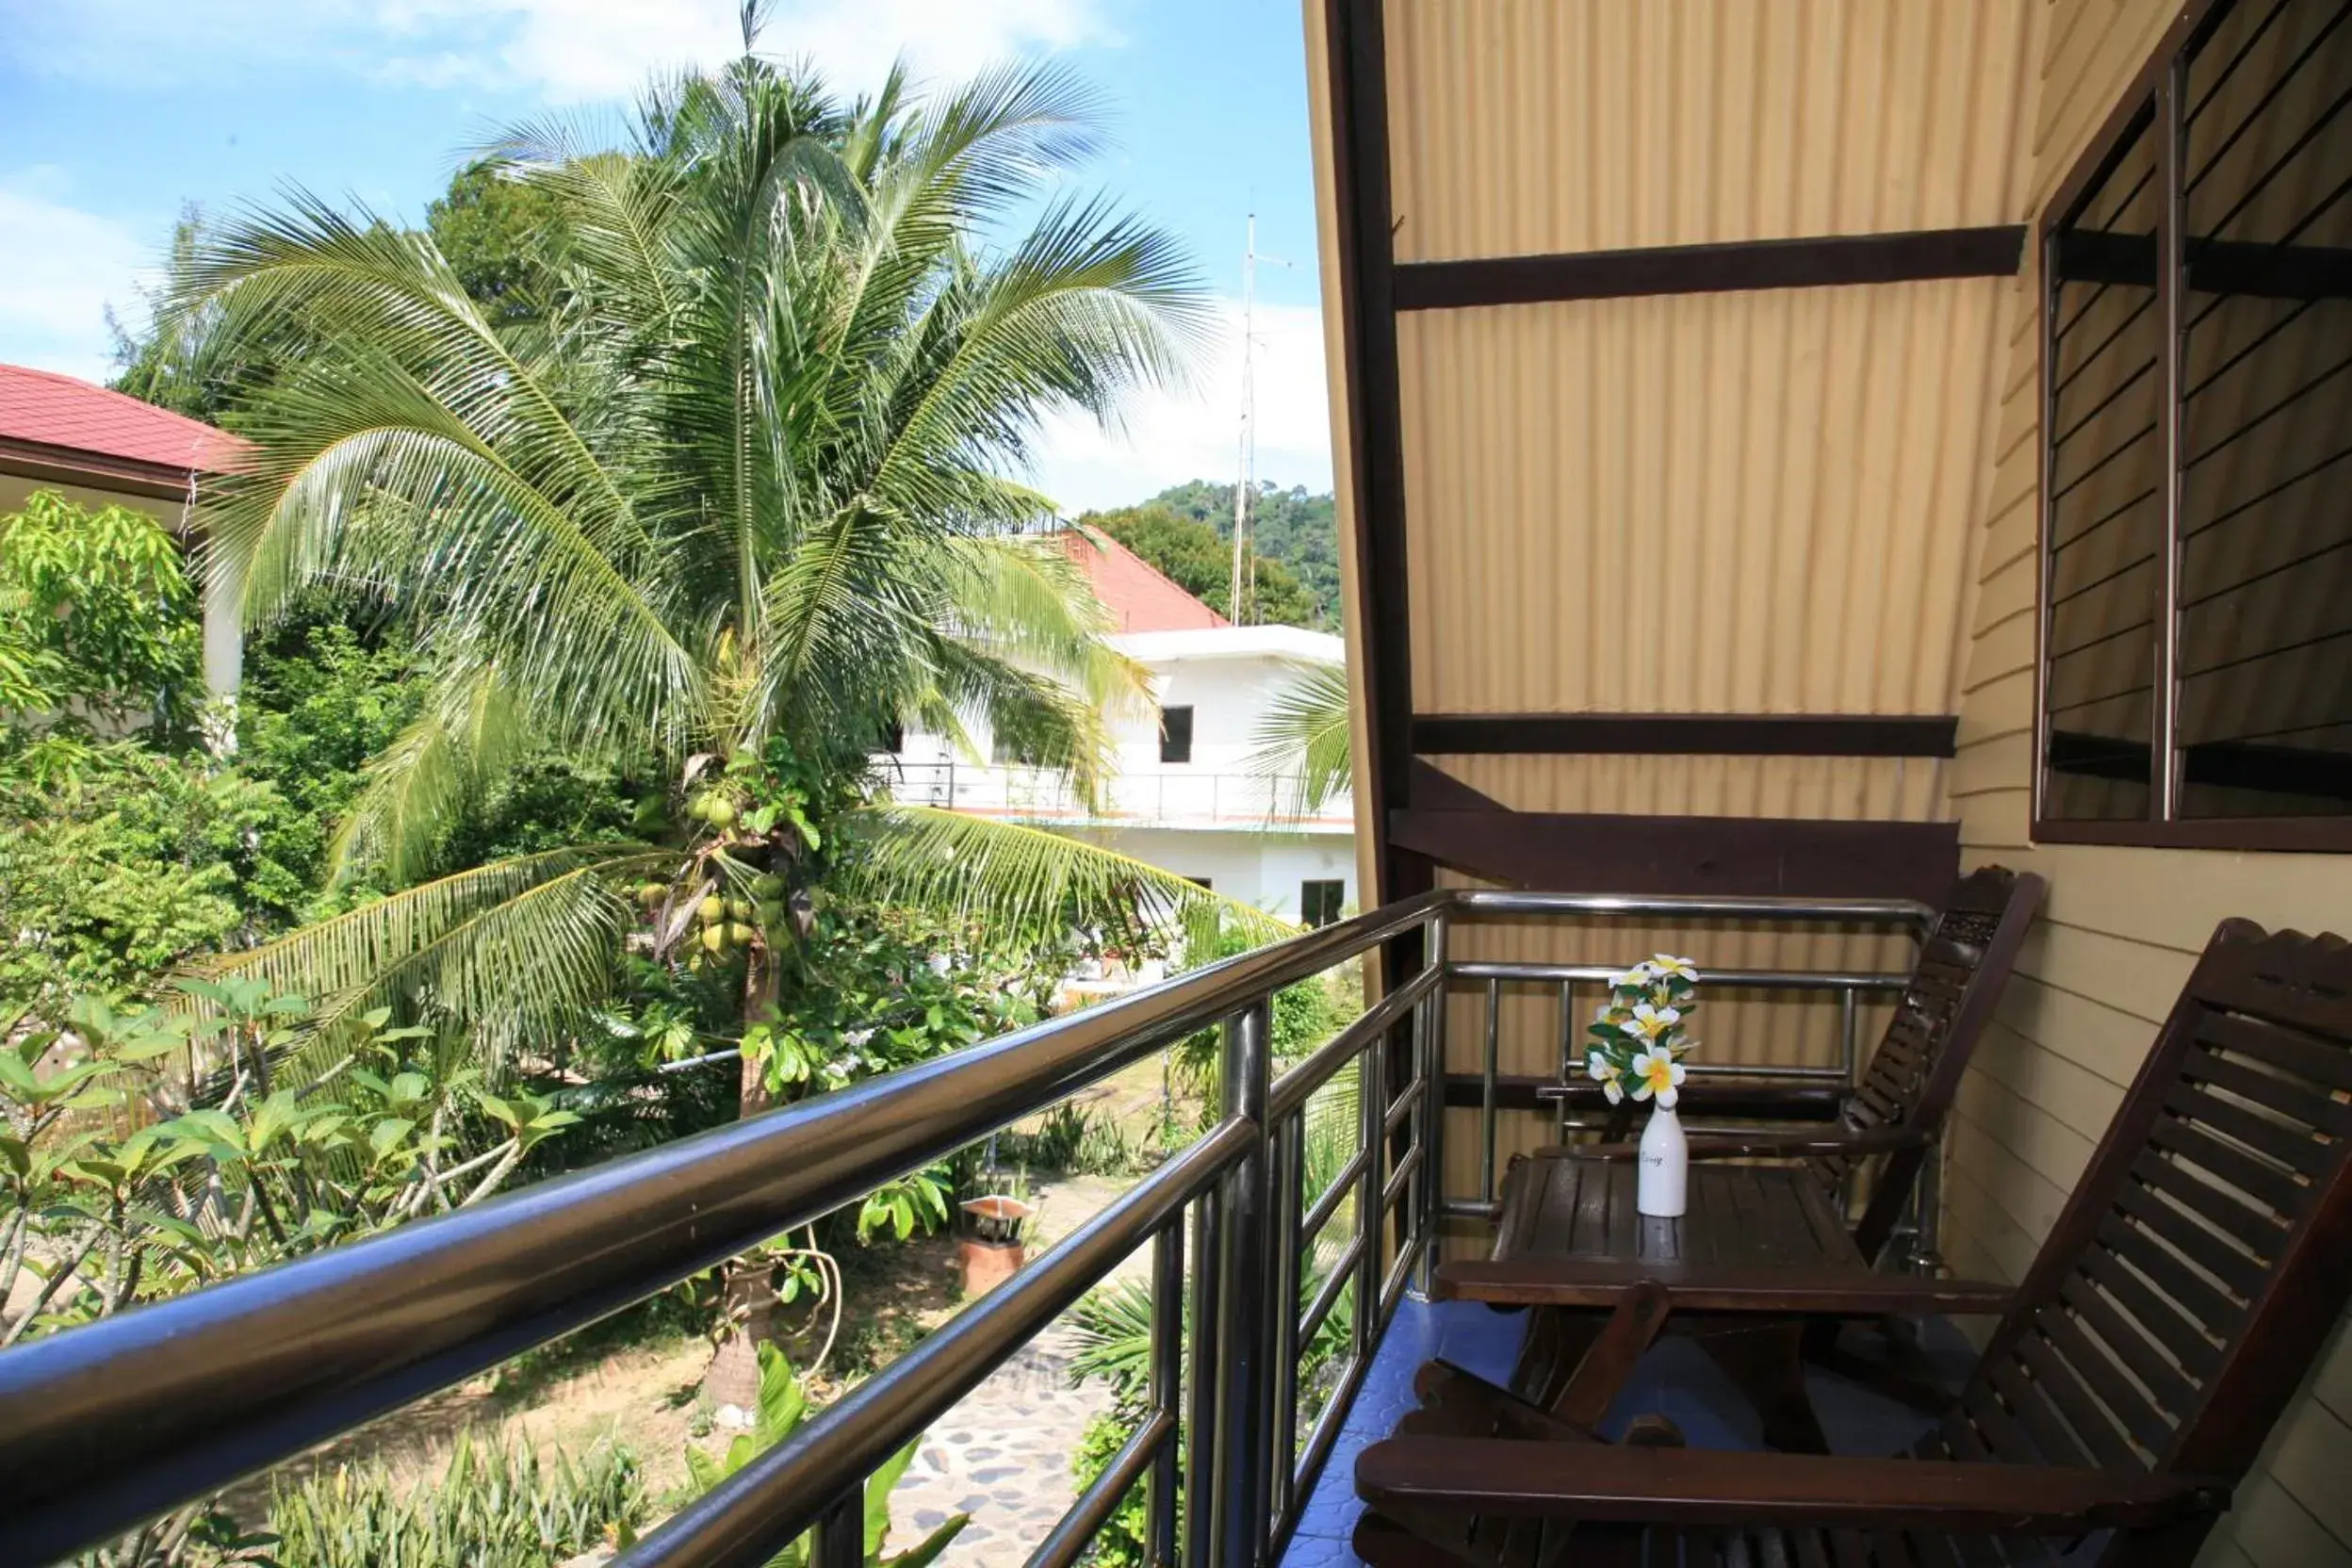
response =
{"points": [[1571, 1054], [1241, 1396], [1848, 1044], [1201, 1385], [1489, 1070], [1168, 1378], [1281, 1362], [841, 1532], [1430, 1189], [1371, 1224]]}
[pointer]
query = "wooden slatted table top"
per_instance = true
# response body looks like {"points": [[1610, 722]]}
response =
{"points": [[1568, 1226]]}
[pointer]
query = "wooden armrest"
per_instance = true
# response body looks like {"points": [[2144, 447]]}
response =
{"points": [[1841, 1291], [1739, 1146], [1714, 1488]]}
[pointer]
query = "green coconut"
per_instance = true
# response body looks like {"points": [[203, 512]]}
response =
{"points": [[739, 908], [711, 910], [772, 914], [720, 814], [649, 894], [714, 938], [740, 934], [767, 886]]}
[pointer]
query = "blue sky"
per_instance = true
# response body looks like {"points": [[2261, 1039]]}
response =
{"points": [[114, 112]]}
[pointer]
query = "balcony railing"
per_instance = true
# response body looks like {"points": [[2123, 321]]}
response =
{"points": [[115, 1422], [1172, 799]]}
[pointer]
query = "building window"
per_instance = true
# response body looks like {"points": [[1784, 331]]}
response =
{"points": [[1320, 902], [1176, 734], [2195, 653]]}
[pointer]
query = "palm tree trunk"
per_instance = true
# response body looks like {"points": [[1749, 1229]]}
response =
{"points": [[734, 1376]]}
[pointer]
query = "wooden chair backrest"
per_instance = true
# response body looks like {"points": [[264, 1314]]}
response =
{"points": [[2207, 1251], [1912, 1076]]}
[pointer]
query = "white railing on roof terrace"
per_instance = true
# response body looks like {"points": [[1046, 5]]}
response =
{"points": [[1177, 798]]}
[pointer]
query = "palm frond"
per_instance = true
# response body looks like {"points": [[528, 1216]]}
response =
{"points": [[413, 790], [1023, 596], [1024, 880], [1303, 738], [514, 951]]}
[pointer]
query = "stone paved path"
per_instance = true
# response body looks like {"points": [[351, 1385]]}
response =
{"points": [[1002, 1455]]}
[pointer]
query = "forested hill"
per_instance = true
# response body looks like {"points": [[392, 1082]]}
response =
{"points": [[1187, 530]]}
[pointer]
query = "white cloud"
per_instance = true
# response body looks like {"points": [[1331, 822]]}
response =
{"points": [[1168, 437], [561, 51], [60, 268]]}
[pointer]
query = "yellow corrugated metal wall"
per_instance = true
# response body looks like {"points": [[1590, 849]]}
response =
{"points": [[1756, 503]]}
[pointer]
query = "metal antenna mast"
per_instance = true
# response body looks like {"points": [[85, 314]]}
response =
{"points": [[1244, 580]]}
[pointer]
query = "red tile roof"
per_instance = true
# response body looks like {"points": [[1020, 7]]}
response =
{"points": [[1139, 596], [46, 409]]}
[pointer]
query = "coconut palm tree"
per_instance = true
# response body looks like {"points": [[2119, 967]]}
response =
{"points": [[748, 491]]}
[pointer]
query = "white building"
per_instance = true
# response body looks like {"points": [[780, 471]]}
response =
{"points": [[1182, 795]]}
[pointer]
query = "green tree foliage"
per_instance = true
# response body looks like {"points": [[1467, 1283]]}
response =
{"points": [[136, 862], [503, 238], [225, 1170], [319, 699], [1292, 526], [97, 622], [144, 1153], [1202, 564]]}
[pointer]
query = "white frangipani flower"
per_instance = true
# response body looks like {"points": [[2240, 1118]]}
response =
{"points": [[1659, 1076], [1648, 1022]]}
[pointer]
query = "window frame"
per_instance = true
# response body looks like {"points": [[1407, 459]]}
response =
{"points": [[2157, 86], [1187, 710], [1339, 904]]}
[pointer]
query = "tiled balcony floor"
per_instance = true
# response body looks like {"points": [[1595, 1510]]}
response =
{"points": [[1674, 1380]]}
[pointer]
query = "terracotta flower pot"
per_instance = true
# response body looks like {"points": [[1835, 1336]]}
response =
{"points": [[995, 1250], [988, 1263]]}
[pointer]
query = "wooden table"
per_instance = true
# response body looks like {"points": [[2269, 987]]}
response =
{"points": [[1759, 1253]]}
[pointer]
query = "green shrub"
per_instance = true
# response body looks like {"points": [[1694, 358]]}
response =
{"points": [[1121, 1542], [782, 1408], [496, 1505]]}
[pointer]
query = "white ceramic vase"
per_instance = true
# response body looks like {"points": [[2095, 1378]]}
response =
{"points": [[1665, 1166]]}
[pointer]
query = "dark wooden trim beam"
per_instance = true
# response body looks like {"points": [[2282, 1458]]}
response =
{"points": [[1742, 857], [1685, 734], [1795, 1101], [1375, 411], [1435, 789], [1827, 262]]}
